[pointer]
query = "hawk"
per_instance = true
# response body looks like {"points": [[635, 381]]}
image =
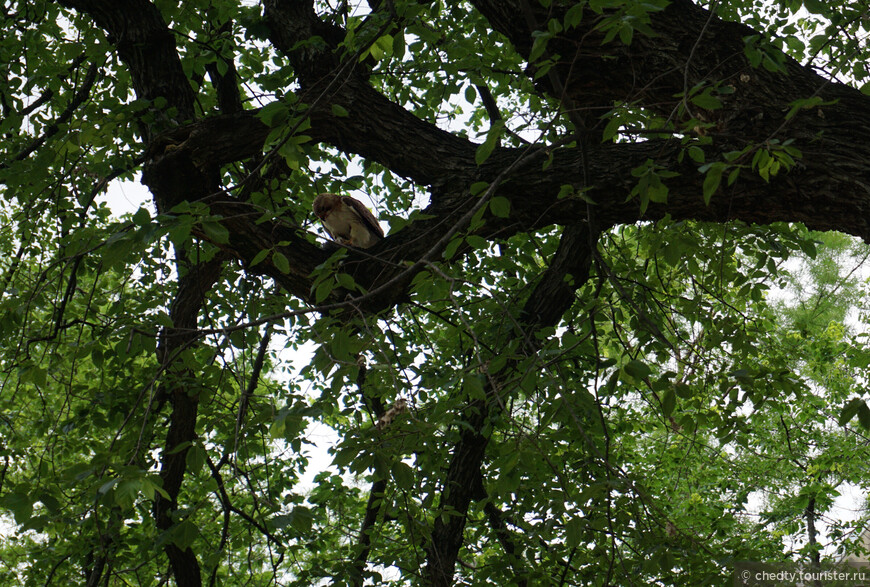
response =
{"points": [[347, 220]]}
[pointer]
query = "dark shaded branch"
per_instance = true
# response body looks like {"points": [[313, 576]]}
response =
{"points": [[248, 392], [10, 273], [147, 46], [568, 270], [832, 173], [374, 125], [489, 103], [376, 493], [693, 47], [812, 538], [226, 84], [364, 542], [94, 565], [54, 568], [67, 294], [504, 536], [551, 298], [464, 468], [181, 386]]}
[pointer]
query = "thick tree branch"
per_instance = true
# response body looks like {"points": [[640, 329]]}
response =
{"points": [[375, 126], [181, 161], [226, 84], [692, 47], [799, 196], [147, 46], [184, 162], [551, 298], [376, 493], [180, 386], [497, 524], [364, 542]]}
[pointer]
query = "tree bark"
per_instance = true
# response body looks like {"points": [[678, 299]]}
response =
{"points": [[826, 190], [182, 389], [147, 47], [544, 307]]}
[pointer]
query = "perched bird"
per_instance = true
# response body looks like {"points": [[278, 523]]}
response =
{"points": [[347, 220]]}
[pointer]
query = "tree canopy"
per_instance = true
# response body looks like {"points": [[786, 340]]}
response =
{"points": [[564, 365]]}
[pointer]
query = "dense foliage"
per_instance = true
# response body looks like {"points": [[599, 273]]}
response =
{"points": [[610, 338]]}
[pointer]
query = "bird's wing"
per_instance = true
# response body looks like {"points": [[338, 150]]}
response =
{"points": [[368, 219]]}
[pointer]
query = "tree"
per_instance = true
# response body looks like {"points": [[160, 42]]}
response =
{"points": [[611, 188]]}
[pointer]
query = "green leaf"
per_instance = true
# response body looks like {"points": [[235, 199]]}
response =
{"points": [[707, 101], [816, 6], [492, 137], [803, 104], [382, 47], [500, 206], [346, 281], [280, 261], [850, 410], [625, 34], [864, 416], [323, 290], [669, 402], [302, 519], [565, 191], [195, 458], [19, 504], [274, 114], [808, 248], [117, 250], [612, 129], [574, 15], [150, 487], [215, 231], [345, 456], [684, 391], [142, 217], [473, 386], [637, 369], [259, 257], [126, 493], [574, 532], [50, 502], [451, 248], [539, 45], [339, 111], [184, 534], [732, 177], [403, 475], [478, 188], [477, 242], [712, 181]]}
